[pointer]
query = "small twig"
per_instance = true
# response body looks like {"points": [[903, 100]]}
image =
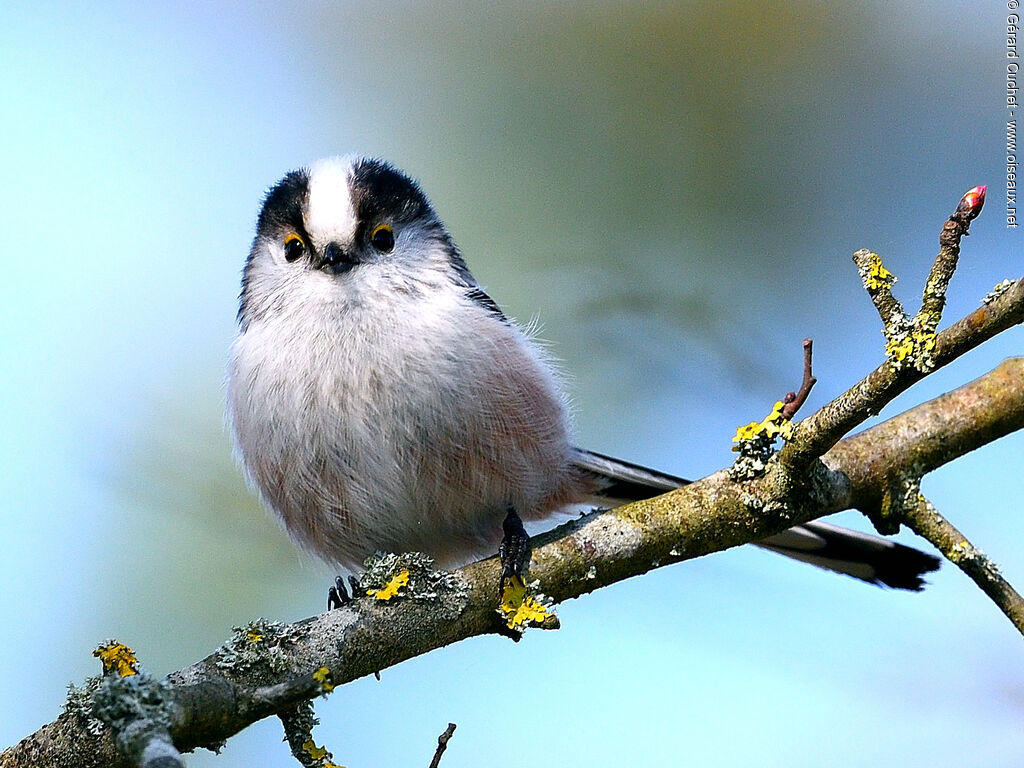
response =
{"points": [[878, 283], [299, 719], [933, 299], [755, 442], [925, 521], [442, 745], [793, 401]]}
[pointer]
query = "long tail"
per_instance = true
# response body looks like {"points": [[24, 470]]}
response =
{"points": [[868, 558]]}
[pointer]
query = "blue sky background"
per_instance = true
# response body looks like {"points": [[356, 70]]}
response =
{"points": [[673, 190]]}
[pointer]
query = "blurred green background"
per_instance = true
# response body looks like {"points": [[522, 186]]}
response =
{"points": [[673, 190]]}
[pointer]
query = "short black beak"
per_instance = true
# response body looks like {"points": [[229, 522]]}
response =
{"points": [[337, 259]]}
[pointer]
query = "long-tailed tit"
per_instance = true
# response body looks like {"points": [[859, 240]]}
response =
{"points": [[380, 400]]}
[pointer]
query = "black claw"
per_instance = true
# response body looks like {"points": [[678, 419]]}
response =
{"points": [[338, 595], [514, 550]]}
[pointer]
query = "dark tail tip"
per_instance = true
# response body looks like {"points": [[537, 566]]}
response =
{"points": [[903, 567]]}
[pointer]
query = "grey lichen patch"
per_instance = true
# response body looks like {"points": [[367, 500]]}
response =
{"points": [[140, 710], [752, 462], [78, 705], [901, 496], [999, 290], [120, 700], [259, 644], [911, 341], [383, 578], [752, 502], [900, 348], [990, 567], [621, 531], [963, 552]]}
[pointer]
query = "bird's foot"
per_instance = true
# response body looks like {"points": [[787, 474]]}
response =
{"points": [[338, 595], [514, 550], [520, 605]]}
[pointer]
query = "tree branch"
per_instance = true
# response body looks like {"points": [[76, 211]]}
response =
{"points": [[270, 668], [794, 401], [822, 430], [925, 521], [212, 701], [912, 346], [442, 745]]}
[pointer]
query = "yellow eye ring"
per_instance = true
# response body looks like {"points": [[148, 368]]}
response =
{"points": [[382, 238], [294, 247]]}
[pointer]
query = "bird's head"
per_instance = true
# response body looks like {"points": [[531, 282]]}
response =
{"points": [[341, 229]]}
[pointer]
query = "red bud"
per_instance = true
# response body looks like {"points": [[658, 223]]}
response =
{"points": [[971, 203]]}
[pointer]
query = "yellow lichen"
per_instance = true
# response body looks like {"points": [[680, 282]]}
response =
{"points": [[319, 754], [772, 426], [311, 749], [323, 676], [746, 433], [876, 275], [924, 340], [899, 349], [519, 608], [392, 588], [254, 637], [117, 657], [913, 347]]}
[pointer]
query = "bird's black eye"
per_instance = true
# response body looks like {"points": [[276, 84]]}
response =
{"points": [[382, 238], [294, 247]]}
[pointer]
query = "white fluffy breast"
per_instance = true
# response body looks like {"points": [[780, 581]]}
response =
{"points": [[397, 422]]}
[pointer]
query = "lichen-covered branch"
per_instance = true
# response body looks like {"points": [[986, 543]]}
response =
{"points": [[921, 445], [823, 429], [933, 298], [941, 429], [878, 282], [925, 521], [268, 668], [912, 347]]}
